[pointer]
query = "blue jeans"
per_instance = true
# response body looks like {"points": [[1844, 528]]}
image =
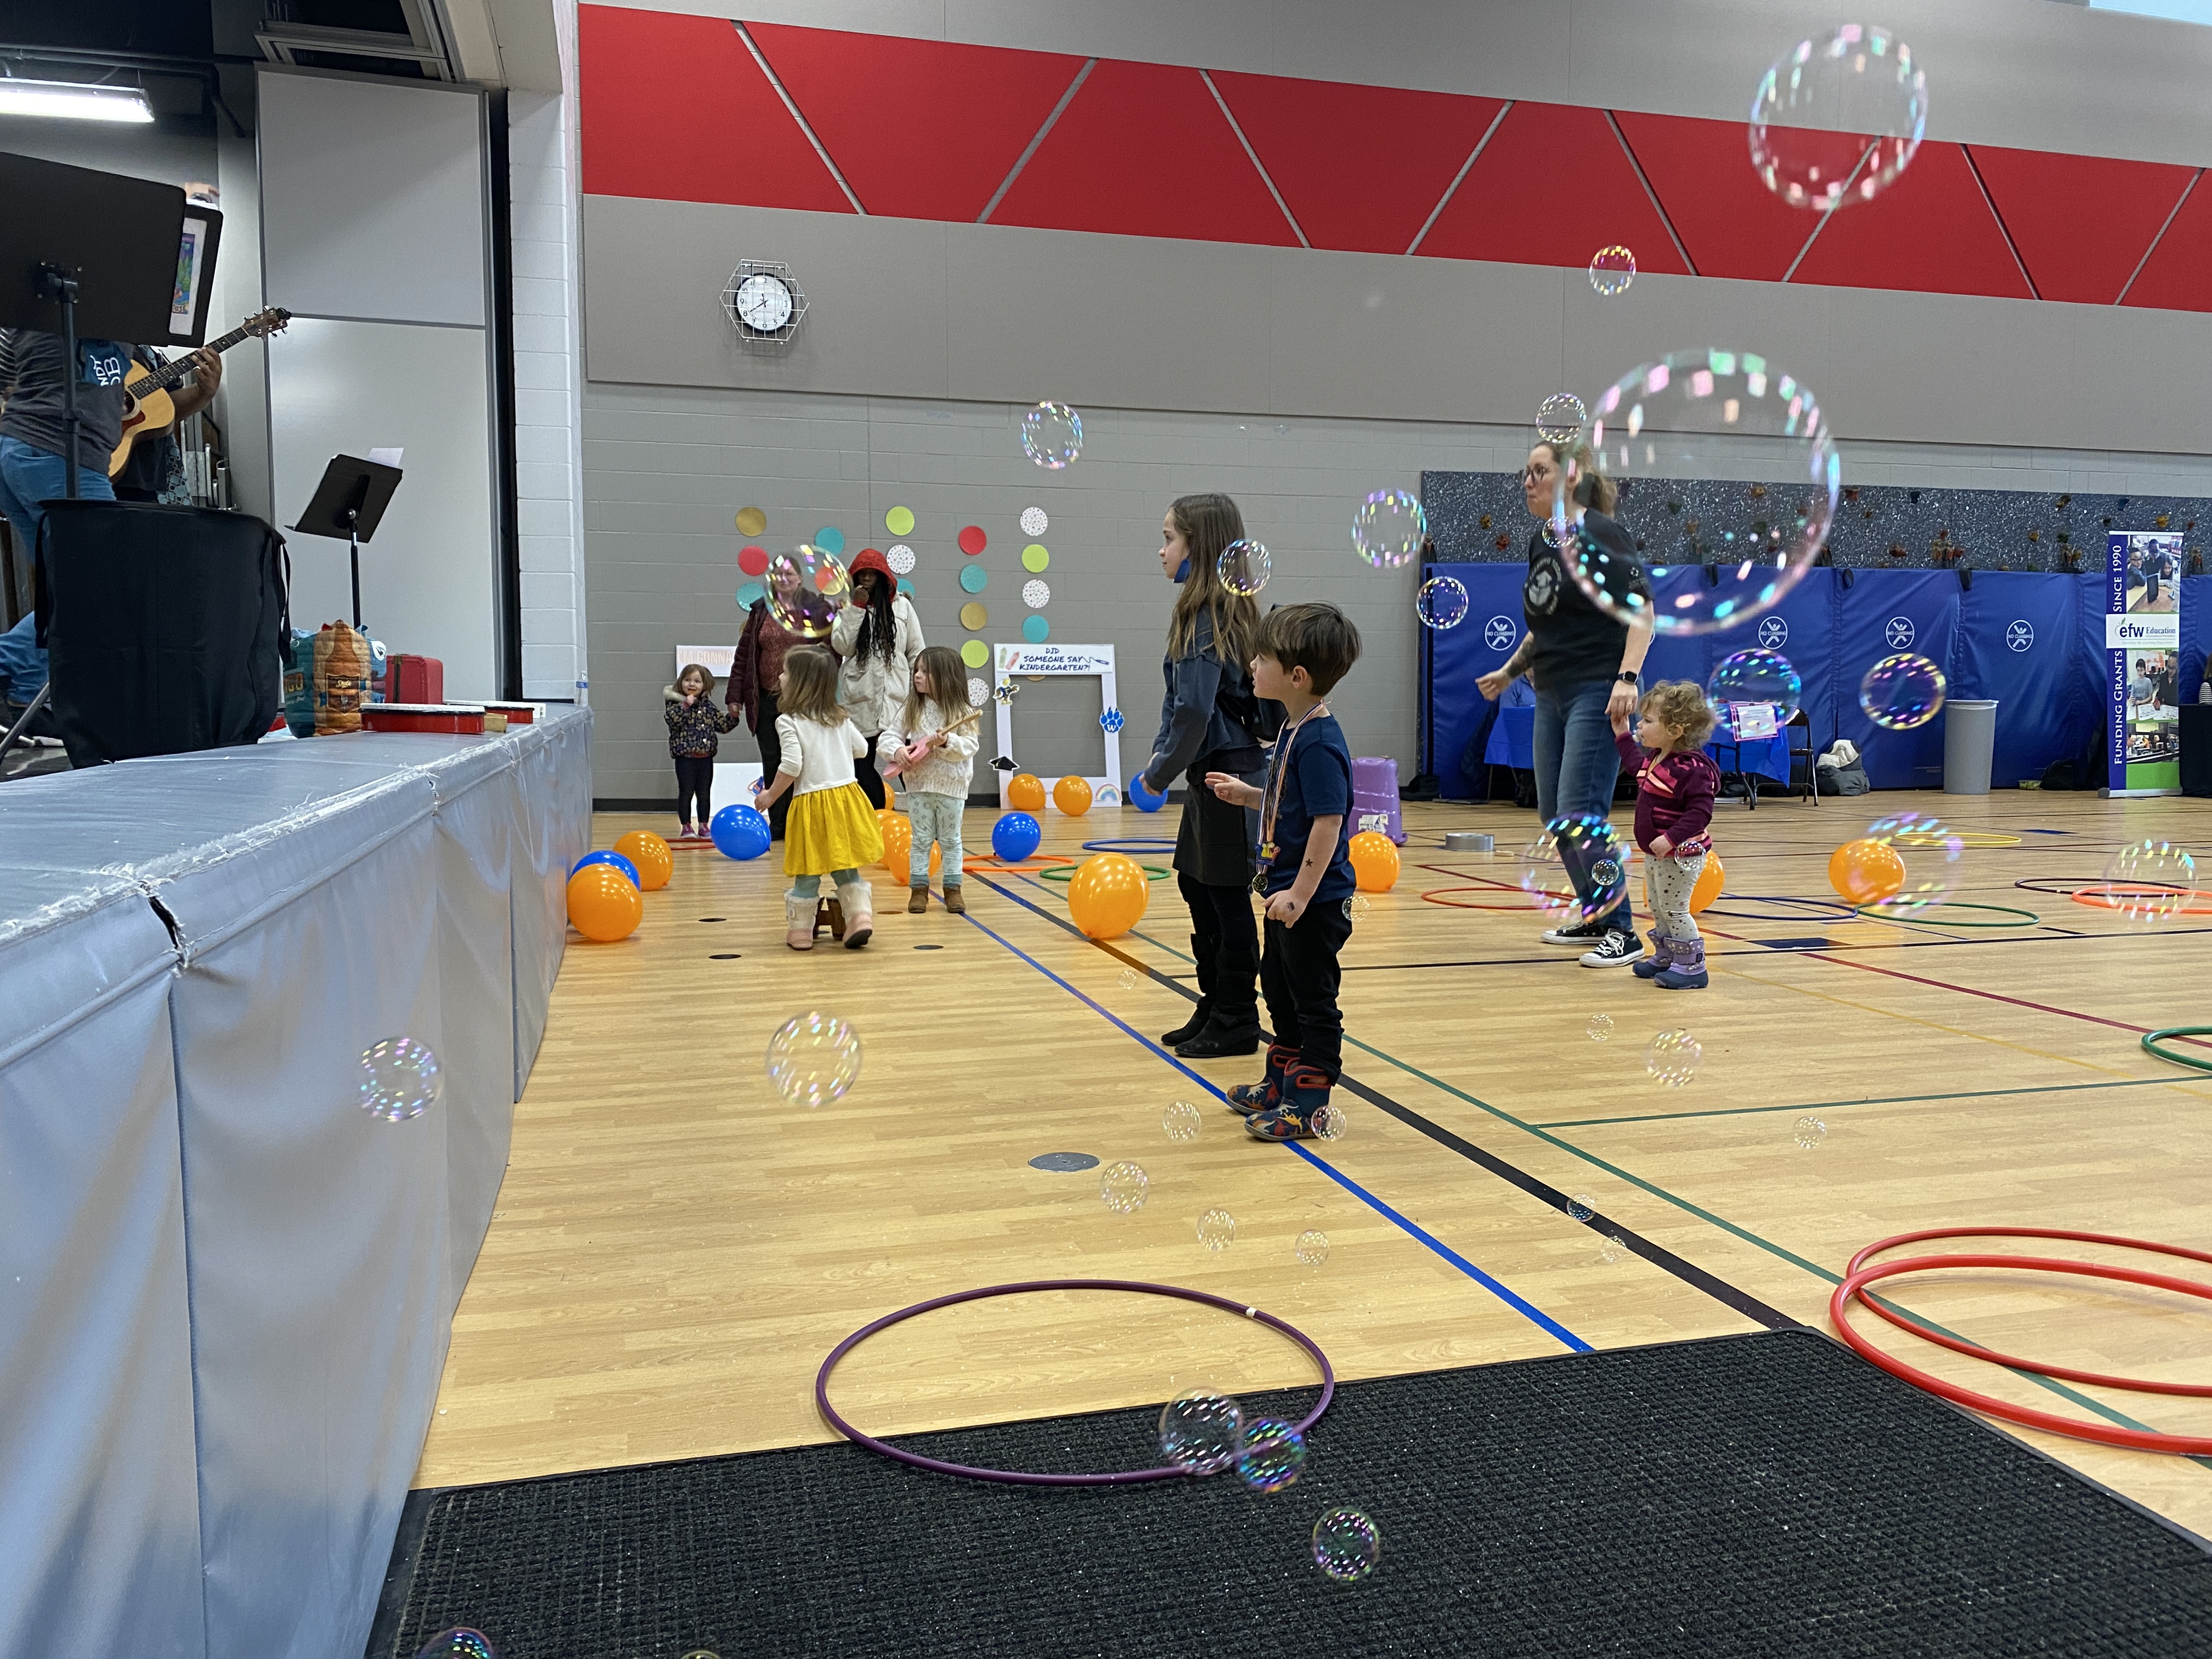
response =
{"points": [[28, 475], [1576, 766], [935, 818]]}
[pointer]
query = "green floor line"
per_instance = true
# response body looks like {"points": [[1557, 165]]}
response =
{"points": [[1879, 1100], [1708, 1216]]}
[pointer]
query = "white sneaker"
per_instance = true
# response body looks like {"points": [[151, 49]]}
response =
{"points": [[1613, 951], [1579, 932]]}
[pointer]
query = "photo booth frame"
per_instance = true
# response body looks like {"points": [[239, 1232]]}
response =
{"points": [[1008, 660]]}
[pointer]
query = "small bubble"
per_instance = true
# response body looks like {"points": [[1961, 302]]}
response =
{"points": [[1347, 1545], [400, 1079], [1273, 1454], [1581, 1207], [1216, 1229], [1130, 979], [1328, 1122], [1181, 1120], [1811, 1132], [1610, 1249], [1600, 1028], [1124, 1187], [1201, 1432], [1312, 1247]]}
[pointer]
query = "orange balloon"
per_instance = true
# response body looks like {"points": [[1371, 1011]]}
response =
{"points": [[1865, 872], [1025, 793], [1072, 795], [1107, 895], [898, 847], [654, 862], [1709, 882], [1374, 861], [602, 904]]}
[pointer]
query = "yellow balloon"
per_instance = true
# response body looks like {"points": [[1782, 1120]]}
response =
{"points": [[654, 862], [1107, 895], [1374, 861]]}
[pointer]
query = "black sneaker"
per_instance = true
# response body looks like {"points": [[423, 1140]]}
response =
{"points": [[1614, 951], [1580, 933]]}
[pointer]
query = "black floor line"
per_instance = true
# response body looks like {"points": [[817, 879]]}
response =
{"points": [[1658, 1255]]}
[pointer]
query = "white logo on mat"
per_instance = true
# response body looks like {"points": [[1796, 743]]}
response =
{"points": [[1499, 632], [2020, 636], [1773, 633], [1898, 630]]}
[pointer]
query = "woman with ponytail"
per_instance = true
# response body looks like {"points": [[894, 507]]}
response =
{"points": [[1211, 722], [1586, 665]]}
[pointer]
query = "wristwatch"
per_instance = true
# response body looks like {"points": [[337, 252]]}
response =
{"points": [[1628, 677]]}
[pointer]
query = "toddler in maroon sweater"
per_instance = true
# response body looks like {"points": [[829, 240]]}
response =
{"points": [[1675, 783]]}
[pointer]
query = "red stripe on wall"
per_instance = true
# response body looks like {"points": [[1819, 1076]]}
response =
{"points": [[921, 129], [675, 107], [2178, 275], [1930, 231], [1731, 223], [2082, 222]]}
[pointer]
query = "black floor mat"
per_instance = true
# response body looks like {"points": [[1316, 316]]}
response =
{"points": [[1763, 1494]]}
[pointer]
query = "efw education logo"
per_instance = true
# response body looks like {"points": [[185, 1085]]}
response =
{"points": [[2020, 636], [1499, 632], [1898, 630], [1773, 633]]}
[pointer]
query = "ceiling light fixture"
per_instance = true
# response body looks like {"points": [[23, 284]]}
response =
{"points": [[72, 100]]}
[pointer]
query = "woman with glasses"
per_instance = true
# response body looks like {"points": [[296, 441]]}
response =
{"points": [[1586, 666]]}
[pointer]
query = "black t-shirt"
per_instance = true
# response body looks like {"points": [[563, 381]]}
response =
{"points": [[1572, 642], [148, 470]]}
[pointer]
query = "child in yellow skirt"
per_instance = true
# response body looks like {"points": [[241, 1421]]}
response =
{"points": [[832, 830]]}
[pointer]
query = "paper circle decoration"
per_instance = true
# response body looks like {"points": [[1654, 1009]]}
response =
{"points": [[1035, 594], [753, 560], [1034, 557], [751, 521], [974, 653], [899, 521], [750, 595], [1034, 521], [972, 578], [974, 617], [972, 539], [830, 540], [1036, 629], [900, 558]]}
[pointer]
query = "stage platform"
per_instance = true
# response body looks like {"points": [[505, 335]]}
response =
{"points": [[226, 1290]]}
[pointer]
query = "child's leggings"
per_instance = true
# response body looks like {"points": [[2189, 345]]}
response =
{"points": [[936, 818], [808, 886], [694, 788], [1667, 884]]}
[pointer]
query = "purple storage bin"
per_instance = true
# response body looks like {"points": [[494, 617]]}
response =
{"points": [[1375, 795]]}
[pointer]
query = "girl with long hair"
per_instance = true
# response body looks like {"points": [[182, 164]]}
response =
{"points": [[1210, 721], [877, 632], [831, 830], [933, 747]]}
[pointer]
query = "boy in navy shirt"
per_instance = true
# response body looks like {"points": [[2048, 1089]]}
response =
{"points": [[1305, 873]]}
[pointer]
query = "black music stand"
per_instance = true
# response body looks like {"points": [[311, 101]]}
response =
{"points": [[349, 504], [89, 251]]}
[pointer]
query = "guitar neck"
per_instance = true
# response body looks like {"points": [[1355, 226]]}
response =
{"points": [[162, 378]]}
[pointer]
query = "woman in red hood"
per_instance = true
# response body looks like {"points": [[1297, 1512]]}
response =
{"points": [[876, 636]]}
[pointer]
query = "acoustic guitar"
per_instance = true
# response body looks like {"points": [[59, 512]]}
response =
{"points": [[148, 406]]}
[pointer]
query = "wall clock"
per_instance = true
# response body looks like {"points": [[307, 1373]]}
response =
{"points": [[764, 303]]}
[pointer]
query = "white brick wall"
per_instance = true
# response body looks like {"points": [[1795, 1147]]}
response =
{"points": [[548, 378]]}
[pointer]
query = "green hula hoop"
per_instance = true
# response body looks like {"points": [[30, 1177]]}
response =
{"points": [[2151, 1045], [1879, 912], [1067, 873]]}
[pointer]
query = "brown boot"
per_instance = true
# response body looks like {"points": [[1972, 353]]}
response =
{"points": [[917, 901], [827, 915], [953, 902]]}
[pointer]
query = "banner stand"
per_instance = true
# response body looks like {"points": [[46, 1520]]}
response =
{"points": [[2143, 651]]}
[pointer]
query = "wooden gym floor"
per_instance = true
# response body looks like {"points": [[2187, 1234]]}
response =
{"points": [[676, 1249]]}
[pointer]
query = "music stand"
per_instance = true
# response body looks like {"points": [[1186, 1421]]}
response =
{"points": [[347, 505]]}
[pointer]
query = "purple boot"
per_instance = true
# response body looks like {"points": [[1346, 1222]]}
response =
{"points": [[1662, 957], [1687, 971]]}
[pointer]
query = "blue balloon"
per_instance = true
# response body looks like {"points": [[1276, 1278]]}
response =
{"points": [[1015, 836], [739, 832], [615, 858], [1145, 800]]}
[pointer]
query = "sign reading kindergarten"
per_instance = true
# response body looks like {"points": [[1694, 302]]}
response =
{"points": [[2142, 654]]}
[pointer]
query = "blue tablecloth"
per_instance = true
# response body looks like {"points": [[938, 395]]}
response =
{"points": [[1512, 743]]}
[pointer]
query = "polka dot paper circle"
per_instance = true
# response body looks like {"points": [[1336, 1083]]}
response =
{"points": [[974, 653], [899, 521], [750, 595], [1034, 557], [973, 540], [1035, 594], [751, 521], [979, 693], [974, 617], [900, 558], [1033, 522], [830, 540], [972, 577], [753, 560], [1036, 629]]}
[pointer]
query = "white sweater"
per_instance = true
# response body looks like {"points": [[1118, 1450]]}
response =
{"points": [[819, 757], [948, 770], [874, 691]]}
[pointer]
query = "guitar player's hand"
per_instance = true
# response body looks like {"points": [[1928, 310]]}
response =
{"points": [[207, 375]]}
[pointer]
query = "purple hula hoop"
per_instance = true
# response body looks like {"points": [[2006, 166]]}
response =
{"points": [[1020, 1478]]}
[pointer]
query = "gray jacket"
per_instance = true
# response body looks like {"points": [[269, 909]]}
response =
{"points": [[1192, 723]]}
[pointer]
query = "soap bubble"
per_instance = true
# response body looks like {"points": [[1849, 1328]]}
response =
{"points": [[1052, 435], [1933, 855], [1559, 418], [1598, 1029], [1123, 1187], [1902, 692], [1750, 678], [1680, 435], [1347, 1545], [1810, 1132], [1216, 1229], [1673, 1058], [1836, 120], [1581, 1207], [1389, 529], [1034, 522], [1328, 1122], [399, 1079], [806, 590], [1610, 271], [2148, 881], [1245, 567], [1441, 603], [1610, 1249], [1273, 1454], [814, 1058], [458, 1643], [1201, 1432], [1312, 1247], [1357, 905], [1130, 979], [1575, 869], [1181, 1121]]}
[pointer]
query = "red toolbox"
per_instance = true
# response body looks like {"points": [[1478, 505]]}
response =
{"points": [[465, 718], [518, 714], [414, 679]]}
